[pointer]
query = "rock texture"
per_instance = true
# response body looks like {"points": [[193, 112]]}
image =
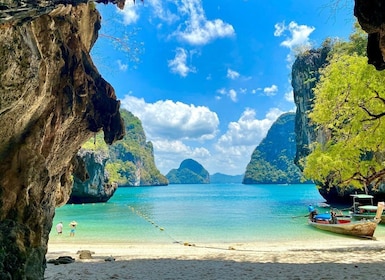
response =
{"points": [[371, 16], [92, 185], [52, 99], [304, 77]]}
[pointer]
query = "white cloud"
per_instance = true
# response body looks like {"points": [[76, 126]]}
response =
{"points": [[130, 15], [270, 91], [173, 120], [122, 66], [298, 34], [197, 29], [231, 74], [178, 65], [289, 96], [248, 131], [232, 94]]}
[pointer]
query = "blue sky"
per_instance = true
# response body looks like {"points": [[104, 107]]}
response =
{"points": [[208, 78]]}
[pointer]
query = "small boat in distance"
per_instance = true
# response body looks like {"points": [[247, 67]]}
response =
{"points": [[363, 228], [363, 207]]}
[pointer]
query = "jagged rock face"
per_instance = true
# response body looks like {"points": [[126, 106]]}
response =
{"points": [[371, 16], [93, 184], [305, 75], [52, 99]]}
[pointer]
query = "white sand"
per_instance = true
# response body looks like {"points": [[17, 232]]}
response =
{"points": [[341, 258]]}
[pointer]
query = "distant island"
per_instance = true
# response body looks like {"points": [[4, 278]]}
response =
{"points": [[189, 172], [219, 178]]}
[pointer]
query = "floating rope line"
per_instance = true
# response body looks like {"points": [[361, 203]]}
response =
{"points": [[147, 219]]}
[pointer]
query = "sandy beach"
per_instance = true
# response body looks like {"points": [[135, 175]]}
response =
{"points": [[341, 258]]}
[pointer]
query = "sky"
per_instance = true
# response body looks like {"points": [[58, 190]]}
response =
{"points": [[208, 78]]}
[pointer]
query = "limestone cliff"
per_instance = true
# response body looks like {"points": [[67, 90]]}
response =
{"points": [[305, 75], [272, 161], [92, 185], [52, 99]]}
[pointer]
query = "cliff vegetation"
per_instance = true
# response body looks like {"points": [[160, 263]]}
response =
{"points": [[189, 172], [272, 162], [131, 160], [349, 104]]}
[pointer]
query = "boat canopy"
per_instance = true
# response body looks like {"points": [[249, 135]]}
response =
{"points": [[368, 207], [361, 196], [325, 216]]}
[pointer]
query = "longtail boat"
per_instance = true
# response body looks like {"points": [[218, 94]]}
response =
{"points": [[363, 207], [363, 228]]}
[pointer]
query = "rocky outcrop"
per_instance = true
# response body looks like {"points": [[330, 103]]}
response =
{"points": [[92, 185], [272, 161], [189, 172], [52, 99], [304, 77], [371, 16]]}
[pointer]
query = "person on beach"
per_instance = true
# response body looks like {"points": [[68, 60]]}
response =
{"points": [[73, 228], [59, 228], [312, 212]]}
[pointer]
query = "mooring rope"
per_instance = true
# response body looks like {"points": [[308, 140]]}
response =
{"points": [[147, 219]]}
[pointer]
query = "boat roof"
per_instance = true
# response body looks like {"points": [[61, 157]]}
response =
{"points": [[368, 207], [361, 196]]}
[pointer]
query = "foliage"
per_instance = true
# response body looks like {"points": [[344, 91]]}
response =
{"points": [[349, 107], [272, 162], [131, 159], [189, 172]]}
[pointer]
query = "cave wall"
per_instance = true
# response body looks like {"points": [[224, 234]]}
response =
{"points": [[52, 99], [371, 17]]}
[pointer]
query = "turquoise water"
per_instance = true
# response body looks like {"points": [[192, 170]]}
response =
{"points": [[194, 213]]}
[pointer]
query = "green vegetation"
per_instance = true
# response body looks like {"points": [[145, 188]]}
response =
{"points": [[131, 159], [189, 172], [349, 107], [272, 162]]}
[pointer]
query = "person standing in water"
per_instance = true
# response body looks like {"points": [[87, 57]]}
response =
{"points": [[73, 228]]}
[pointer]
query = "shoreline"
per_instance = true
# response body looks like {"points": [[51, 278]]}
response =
{"points": [[339, 258]]}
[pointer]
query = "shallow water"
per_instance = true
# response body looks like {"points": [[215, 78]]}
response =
{"points": [[196, 213]]}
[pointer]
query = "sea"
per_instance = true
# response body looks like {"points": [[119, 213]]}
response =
{"points": [[197, 213]]}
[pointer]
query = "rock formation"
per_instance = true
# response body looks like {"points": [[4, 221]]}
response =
{"points": [[189, 172], [272, 161], [52, 99], [305, 75], [92, 185], [371, 16], [133, 157]]}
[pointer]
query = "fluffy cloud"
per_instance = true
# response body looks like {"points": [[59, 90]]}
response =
{"points": [[270, 91], [173, 120], [298, 34], [196, 29], [231, 93], [192, 25], [231, 74], [248, 130], [289, 96], [170, 153], [178, 65], [130, 13]]}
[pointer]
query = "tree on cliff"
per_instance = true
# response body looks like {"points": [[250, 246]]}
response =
{"points": [[349, 106], [131, 159], [272, 161]]}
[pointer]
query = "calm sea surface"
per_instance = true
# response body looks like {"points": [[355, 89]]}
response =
{"points": [[196, 213]]}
